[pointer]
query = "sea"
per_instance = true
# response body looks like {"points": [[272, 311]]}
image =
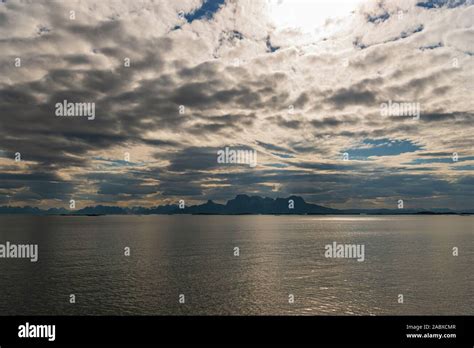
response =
{"points": [[238, 265]]}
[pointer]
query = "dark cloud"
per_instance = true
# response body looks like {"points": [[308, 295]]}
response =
{"points": [[332, 122], [452, 117], [36, 186], [193, 158], [352, 96], [284, 123]]}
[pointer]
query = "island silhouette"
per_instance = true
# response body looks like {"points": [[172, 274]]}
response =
{"points": [[242, 204]]}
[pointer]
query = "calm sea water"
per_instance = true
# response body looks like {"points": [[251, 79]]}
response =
{"points": [[279, 256]]}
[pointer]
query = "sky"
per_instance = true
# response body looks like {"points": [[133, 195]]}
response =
{"points": [[303, 84]]}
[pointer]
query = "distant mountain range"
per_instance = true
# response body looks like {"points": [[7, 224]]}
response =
{"points": [[240, 205]]}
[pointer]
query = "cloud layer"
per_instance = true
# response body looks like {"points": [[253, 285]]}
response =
{"points": [[174, 82]]}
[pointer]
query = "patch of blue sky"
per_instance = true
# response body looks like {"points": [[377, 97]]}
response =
{"points": [[117, 163], [448, 159], [381, 148], [206, 11], [277, 165], [468, 167], [283, 155], [379, 18], [270, 47], [431, 4]]}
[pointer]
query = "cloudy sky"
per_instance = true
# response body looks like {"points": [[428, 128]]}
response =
{"points": [[300, 82]]}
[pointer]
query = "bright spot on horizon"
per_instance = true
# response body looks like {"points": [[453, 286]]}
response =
{"points": [[308, 15]]}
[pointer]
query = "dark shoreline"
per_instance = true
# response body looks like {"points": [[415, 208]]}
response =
{"points": [[204, 214]]}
